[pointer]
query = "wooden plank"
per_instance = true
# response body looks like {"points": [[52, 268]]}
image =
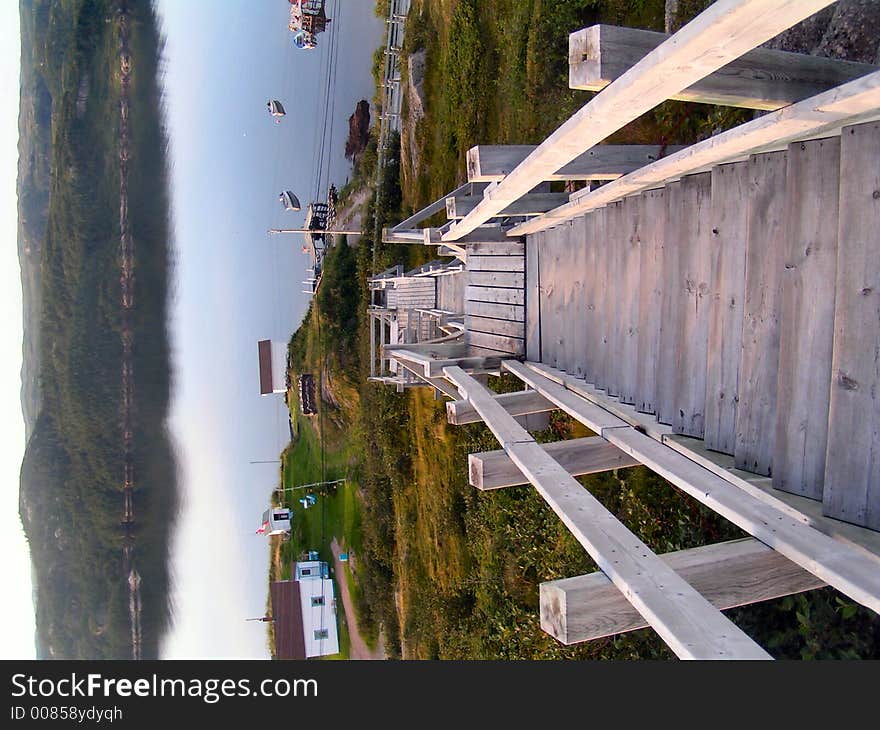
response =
{"points": [[521, 403], [849, 569], [761, 79], [651, 297], [533, 299], [496, 263], [819, 116], [591, 294], [509, 345], [500, 248], [531, 204], [550, 307], [613, 259], [577, 335], [729, 224], [495, 295], [722, 33], [689, 391], [511, 312], [597, 229], [630, 287], [513, 280], [682, 617], [566, 282], [727, 574], [670, 323], [806, 325], [756, 409], [503, 327], [590, 455], [491, 163], [852, 468]]}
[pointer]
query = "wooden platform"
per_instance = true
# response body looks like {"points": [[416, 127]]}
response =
{"points": [[494, 300], [739, 306]]}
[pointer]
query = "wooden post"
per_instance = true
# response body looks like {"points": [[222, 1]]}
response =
{"points": [[490, 163], [685, 620], [728, 574], [720, 34], [590, 455], [760, 79]]}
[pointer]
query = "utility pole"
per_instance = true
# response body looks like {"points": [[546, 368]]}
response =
{"points": [[314, 232]]}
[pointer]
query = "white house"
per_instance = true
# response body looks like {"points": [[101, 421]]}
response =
{"points": [[273, 366], [304, 613], [276, 521]]}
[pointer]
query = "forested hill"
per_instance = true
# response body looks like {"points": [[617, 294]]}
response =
{"points": [[98, 480]]}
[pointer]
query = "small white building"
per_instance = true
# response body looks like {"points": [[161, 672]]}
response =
{"points": [[304, 613], [276, 521], [273, 367]]}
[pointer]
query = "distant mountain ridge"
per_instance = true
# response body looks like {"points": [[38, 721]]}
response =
{"points": [[98, 481]]}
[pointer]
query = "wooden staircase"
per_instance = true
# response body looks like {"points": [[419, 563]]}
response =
{"points": [[740, 306]]}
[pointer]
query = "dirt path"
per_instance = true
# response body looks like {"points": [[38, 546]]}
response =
{"points": [[359, 648]]}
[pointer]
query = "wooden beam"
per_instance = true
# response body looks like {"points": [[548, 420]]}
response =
{"points": [[848, 569], [761, 79], [491, 163], [728, 574], [440, 386], [821, 115], [532, 204], [723, 32], [435, 207], [686, 621], [461, 412], [590, 455]]}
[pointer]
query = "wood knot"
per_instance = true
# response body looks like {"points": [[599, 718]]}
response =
{"points": [[846, 382]]}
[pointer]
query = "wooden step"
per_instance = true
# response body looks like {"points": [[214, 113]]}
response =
{"points": [[756, 410], [806, 324], [630, 287], [650, 298], [598, 231], [667, 360], [612, 257], [691, 232], [852, 464], [729, 227]]}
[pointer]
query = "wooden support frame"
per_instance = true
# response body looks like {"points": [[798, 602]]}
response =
{"points": [[822, 115], [848, 569], [491, 163], [720, 34], [760, 79], [589, 455], [532, 204], [461, 412], [686, 621], [728, 574]]}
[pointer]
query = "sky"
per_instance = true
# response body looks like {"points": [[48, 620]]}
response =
{"points": [[17, 624], [235, 285]]}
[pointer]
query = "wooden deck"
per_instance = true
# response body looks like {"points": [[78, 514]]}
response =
{"points": [[740, 307]]}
